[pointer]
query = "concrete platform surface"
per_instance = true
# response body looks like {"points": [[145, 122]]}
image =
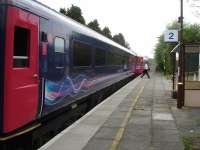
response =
{"points": [[137, 117]]}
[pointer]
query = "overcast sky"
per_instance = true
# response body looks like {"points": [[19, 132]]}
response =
{"points": [[140, 21]]}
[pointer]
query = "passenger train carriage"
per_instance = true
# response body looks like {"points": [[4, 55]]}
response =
{"points": [[49, 61]]}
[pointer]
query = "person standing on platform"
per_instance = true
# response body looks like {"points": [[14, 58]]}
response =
{"points": [[146, 69]]}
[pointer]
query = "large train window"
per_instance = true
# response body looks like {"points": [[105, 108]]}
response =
{"points": [[118, 59], [100, 56], [109, 58], [21, 47], [59, 45], [82, 54]]}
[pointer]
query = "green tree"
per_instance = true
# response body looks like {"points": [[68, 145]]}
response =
{"points": [[74, 12], [63, 11], [94, 25], [191, 33], [119, 38], [159, 53], [162, 55], [127, 45], [106, 32]]}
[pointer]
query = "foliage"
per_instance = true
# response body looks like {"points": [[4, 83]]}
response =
{"points": [[106, 32], [119, 38], [191, 33], [187, 142], [127, 45], [94, 25], [73, 12], [63, 11], [151, 61]]}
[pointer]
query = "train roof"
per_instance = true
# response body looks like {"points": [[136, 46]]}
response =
{"points": [[45, 12]]}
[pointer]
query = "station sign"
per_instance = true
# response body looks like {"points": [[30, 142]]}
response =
{"points": [[171, 36]]}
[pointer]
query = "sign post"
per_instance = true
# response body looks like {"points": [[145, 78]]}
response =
{"points": [[171, 36], [181, 78]]}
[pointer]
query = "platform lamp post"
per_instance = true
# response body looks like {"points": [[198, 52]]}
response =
{"points": [[181, 78]]}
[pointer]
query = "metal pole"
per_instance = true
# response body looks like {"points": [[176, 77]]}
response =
{"points": [[180, 101], [174, 70]]}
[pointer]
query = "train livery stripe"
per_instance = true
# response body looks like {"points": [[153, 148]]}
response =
{"points": [[20, 133]]}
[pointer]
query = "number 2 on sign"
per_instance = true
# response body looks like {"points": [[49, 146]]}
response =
{"points": [[171, 36]]}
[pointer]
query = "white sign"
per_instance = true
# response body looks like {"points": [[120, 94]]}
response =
{"points": [[171, 36]]}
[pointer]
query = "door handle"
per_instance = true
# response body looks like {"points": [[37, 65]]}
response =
{"points": [[35, 76]]}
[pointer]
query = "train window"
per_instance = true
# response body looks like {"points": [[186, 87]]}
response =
{"points": [[82, 54], [21, 47], [100, 56], [44, 37], [109, 58], [59, 45]]}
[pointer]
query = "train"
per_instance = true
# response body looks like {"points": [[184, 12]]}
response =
{"points": [[50, 63]]}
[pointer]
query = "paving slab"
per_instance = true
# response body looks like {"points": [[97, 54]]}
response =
{"points": [[165, 135], [168, 146], [123, 108], [137, 131], [138, 120], [162, 116], [98, 144], [113, 123], [164, 110], [118, 114], [133, 145], [141, 107], [142, 113], [161, 105], [106, 133], [163, 125]]}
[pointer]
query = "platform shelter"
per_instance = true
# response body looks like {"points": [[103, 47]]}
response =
{"points": [[192, 75], [188, 90]]}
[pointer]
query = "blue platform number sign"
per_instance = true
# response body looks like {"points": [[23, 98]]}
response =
{"points": [[171, 36]]}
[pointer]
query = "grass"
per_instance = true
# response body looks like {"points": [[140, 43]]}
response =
{"points": [[187, 142], [168, 76], [198, 122], [191, 142]]}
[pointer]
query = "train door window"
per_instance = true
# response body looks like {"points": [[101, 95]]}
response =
{"points": [[59, 45], [100, 56], [59, 48], [21, 47], [82, 54]]}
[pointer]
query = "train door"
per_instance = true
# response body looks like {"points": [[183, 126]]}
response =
{"points": [[21, 69], [133, 64], [46, 41]]}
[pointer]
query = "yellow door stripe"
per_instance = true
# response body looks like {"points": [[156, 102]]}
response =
{"points": [[20, 133]]}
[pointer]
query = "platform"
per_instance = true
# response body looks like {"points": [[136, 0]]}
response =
{"points": [[137, 117]]}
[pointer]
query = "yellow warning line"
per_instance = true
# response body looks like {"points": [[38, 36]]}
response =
{"points": [[121, 130]]}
